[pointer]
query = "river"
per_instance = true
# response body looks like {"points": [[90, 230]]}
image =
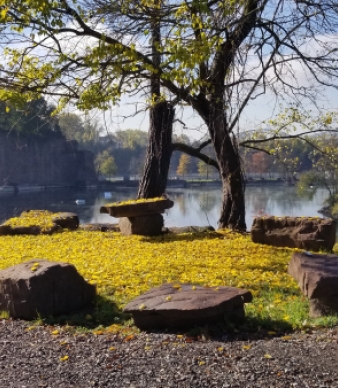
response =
{"points": [[193, 206]]}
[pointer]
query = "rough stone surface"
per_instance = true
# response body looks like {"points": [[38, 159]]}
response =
{"points": [[52, 288], [59, 220], [190, 229], [97, 227], [149, 225], [317, 276], [313, 234], [66, 220], [34, 230], [138, 209], [185, 305]]}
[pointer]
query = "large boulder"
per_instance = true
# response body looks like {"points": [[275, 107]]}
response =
{"points": [[39, 222], [185, 305], [67, 220], [311, 234], [317, 277], [41, 287]]}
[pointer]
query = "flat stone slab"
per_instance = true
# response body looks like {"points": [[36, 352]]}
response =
{"points": [[138, 208], [185, 305], [317, 277], [42, 287], [308, 233]]}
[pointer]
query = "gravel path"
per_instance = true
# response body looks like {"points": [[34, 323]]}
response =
{"points": [[34, 357]]}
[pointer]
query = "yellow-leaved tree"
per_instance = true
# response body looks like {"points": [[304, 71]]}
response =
{"points": [[214, 56]]}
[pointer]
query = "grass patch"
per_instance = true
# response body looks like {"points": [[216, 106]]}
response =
{"points": [[123, 267]]}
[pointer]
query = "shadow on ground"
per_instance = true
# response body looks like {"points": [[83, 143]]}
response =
{"points": [[103, 313], [249, 329]]}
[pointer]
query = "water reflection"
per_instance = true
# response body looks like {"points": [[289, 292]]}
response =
{"points": [[195, 206]]}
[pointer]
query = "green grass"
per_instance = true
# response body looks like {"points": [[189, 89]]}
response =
{"points": [[123, 267]]}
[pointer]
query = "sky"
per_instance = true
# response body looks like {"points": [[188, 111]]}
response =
{"points": [[123, 116], [257, 111]]}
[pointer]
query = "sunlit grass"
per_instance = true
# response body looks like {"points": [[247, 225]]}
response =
{"points": [[123, 267]]}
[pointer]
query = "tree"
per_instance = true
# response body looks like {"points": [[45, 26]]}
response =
{"points": [[216, 55], [108, 167], [183, 165], [260, 162], [324, 172], [154, 179], [203, 168], [32, 118], [105, 164]]}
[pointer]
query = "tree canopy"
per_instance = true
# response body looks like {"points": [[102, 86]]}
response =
{"points": [[216, 55], [33, 118]]}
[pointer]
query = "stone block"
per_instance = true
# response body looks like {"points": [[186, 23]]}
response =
{"points": [[311, 234], [317, 277], [41, 287], [149, 225], [180, 306]]}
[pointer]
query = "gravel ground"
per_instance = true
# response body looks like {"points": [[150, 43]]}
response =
{"points": [[34, 357]]}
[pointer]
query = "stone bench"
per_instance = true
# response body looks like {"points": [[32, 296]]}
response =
{"points": [[178, 306], [142, 218], [311, 234], [317, 277]]}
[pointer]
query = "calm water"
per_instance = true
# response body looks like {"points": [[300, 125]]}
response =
{"points": [[195, 206]]}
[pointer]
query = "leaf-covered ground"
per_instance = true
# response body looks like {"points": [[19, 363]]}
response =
{"points": [[123, 267]]}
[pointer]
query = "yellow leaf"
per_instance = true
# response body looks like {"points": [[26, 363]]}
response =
{"points": [[3, 14], [64, 358], [246, 347], [142, 306], [267, 356], [55, 332]]}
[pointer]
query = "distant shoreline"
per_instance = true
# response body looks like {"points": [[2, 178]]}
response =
{"points": [[106, 185]]}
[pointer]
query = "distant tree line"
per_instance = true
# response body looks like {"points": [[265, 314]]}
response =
{"points": [[123, 153]]}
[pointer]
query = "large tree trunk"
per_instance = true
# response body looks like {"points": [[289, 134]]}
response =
{"points": [[154, 180], [233, 186], [229, 162]]}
